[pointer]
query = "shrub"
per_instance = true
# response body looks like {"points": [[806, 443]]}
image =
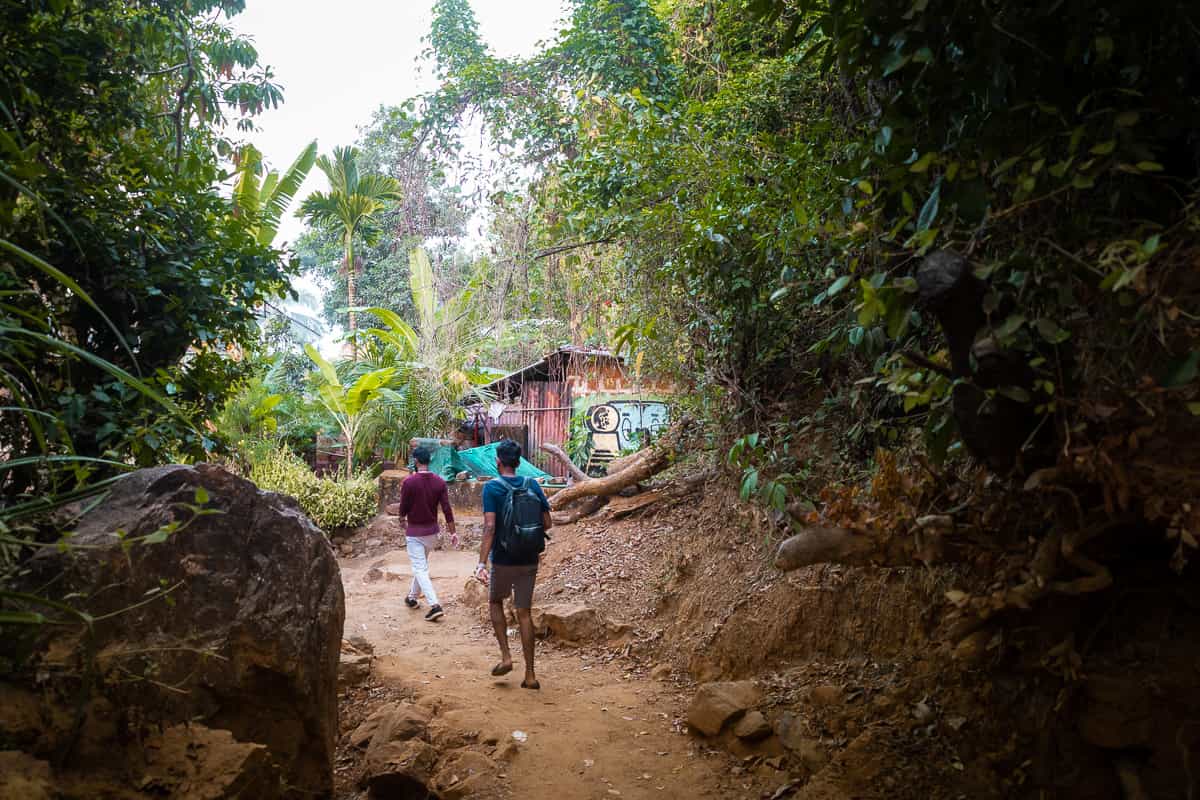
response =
{"points": [[331, 504]]}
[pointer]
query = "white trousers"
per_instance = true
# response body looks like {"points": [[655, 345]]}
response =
{"points": [[419, 558]]}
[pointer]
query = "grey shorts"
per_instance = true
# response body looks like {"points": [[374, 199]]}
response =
{"points": [[516, 580]]}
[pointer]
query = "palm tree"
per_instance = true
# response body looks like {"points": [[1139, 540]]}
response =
{"points": [[351, 203]]}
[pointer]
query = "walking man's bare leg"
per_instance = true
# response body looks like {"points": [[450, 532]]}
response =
{"points": [[525, 620], [500, 626]]}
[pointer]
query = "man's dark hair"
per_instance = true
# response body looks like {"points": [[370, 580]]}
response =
{"points": [[509, 453], [422, 455]]}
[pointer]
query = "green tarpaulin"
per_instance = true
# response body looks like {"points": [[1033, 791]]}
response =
{"points": [[448, 462]]}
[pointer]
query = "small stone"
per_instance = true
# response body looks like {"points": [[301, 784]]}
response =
{"points": [[346, 549], [752, 727], [360, 644], [717, 703], [661, 672], [353, 669], [374, 542], [791, 731], [373, 574]]}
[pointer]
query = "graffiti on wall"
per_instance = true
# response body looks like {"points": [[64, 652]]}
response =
{"points": [[617, 425]]}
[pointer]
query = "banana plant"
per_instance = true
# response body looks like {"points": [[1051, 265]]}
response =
{"points": [[435, 362], [263, 203], [348, 403]]}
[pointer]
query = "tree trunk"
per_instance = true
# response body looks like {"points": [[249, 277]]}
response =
{"points": [[585, 509], [353, 321], [558, 453], [647, 462]]}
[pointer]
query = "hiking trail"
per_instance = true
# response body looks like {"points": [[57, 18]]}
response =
{"points": [[594, 730]]}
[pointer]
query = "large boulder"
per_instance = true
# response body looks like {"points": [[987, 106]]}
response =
{"points": [[718, 703], [233, 618]]}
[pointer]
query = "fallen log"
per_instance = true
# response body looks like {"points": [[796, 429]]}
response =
{"points": [[644, 463], [584, 508], [618, 464], [558, 453]]}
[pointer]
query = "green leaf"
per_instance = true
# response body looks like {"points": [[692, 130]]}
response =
{"points": [[893, 62], [929, 210], [1104, 148], [158, 537], [1183, 371], [1051, 332], [1010, 326], [923, 163], [841, 283], [201, 495], [1149, 166], [327, 370]]}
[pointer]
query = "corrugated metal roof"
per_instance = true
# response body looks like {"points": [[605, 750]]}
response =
{"points": [[544, 362]]}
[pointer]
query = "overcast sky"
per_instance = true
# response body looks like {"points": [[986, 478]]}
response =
{"points": [[339, 61]]}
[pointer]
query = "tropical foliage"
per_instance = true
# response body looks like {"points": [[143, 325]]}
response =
{"points": [[111, 164], [333, 504], [350, 206], [264, 197]]}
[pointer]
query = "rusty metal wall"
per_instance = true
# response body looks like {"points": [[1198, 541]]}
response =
{"points": [[546, 409]]}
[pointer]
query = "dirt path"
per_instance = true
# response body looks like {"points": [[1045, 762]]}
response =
{"points": [[594, 731]]}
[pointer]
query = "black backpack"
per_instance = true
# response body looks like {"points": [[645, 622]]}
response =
{"points": [[520, 533]]}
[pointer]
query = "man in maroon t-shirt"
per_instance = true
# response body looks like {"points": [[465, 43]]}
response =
{"points": [[420, 495]]}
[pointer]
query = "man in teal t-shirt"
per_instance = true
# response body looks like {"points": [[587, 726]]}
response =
{"points": [[509, 575]]}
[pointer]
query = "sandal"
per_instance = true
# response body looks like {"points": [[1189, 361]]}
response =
{"points": [[502, 669], [534, 685]]}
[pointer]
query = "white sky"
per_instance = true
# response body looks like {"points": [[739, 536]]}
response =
{"points": [[339, 61]]}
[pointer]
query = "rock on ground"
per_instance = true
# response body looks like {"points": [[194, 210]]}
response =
{"points": [[353, 669], [464, 774], [248, 640], [570, 623], [473, 595], [193, 762], [400, 770], [753, 727], [395, 722], [720, 702], [809, 750]]}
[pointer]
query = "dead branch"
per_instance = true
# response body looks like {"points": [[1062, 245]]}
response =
{"points": [[645, 463], [558, 453]]}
